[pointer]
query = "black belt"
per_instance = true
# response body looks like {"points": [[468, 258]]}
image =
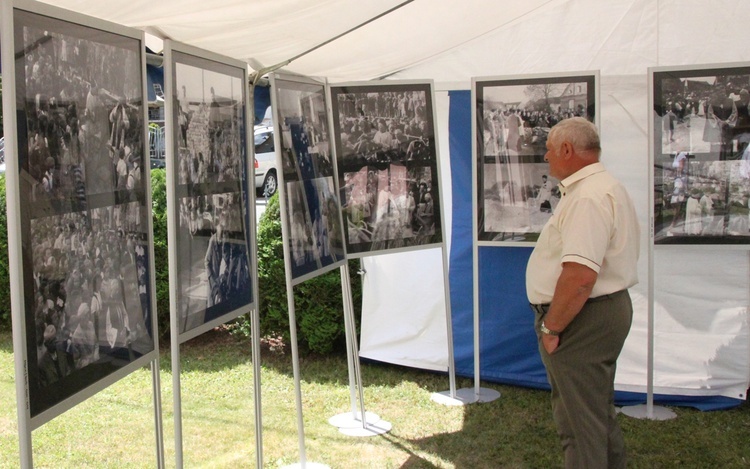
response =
{"points": [[542, 308]]}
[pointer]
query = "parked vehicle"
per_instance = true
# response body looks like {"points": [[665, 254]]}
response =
{"points": [[2, 154], [266, 174]]}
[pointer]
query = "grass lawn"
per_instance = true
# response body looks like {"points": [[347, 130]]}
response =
{"points": [[115, 428]]}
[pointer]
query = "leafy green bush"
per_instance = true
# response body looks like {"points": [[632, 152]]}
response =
{"points": [[161, 261], [5, 316], [318, 302]]}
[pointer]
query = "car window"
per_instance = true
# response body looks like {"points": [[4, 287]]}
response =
{"points": [[264, 142]]}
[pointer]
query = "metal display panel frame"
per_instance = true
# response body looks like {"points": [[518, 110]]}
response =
{"points": [[363, 165], [82, 204], [307, 180], [480, 126], [699, 133], [182, 138], [518, 155], [206, 191]]}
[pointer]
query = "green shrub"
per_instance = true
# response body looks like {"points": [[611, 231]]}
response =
{"points": [[318, 301], [5, 316], [161, 260]]}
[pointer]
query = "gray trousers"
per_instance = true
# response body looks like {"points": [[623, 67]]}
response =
{"points": [[582, 373]]}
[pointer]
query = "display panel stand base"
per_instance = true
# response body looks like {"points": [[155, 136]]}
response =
{"points": [[641, 412], [462, 397], [484, 395], [350, 420], [369, 429], [307, 465]]}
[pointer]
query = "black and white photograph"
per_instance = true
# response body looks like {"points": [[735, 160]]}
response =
{"points": [[387, 166], [315, 233], [212, 254], [316, 240], [701, 135], [513, 118], [213, 278], [79, 97]]}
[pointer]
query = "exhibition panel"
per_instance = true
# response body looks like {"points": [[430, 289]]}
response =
{"points": [[208, 171], [85, 228]]}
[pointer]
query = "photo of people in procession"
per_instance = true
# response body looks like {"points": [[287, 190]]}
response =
{"points": [[81, 140], [213, 264], [513, 119], [316, 238], [701, 157], [387, 164], [210, 117], [214, 272], [312, 207]]}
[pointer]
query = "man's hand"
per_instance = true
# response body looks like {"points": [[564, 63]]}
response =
{"points": [[550, 343]]}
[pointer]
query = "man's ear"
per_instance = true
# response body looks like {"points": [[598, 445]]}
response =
{"points": [[566, 149]]}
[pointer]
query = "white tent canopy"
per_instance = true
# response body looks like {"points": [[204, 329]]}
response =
{"points": [[701, 294]]}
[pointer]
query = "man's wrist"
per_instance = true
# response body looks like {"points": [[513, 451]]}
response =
{"points": [[548, 331]]}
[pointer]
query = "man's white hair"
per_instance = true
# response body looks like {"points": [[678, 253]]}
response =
{"points": [[579, 132]]}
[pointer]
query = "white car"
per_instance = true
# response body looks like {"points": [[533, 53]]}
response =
{"points": [[2, 154], [266, 175]]}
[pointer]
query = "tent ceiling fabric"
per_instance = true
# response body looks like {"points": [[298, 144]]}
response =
{"points": [[273, 31]]}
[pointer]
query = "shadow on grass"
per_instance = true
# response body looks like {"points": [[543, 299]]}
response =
{"points": [[513, 431], [218, 350]]}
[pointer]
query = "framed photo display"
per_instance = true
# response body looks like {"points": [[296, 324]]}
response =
{"points": [[700, 129], [211, 221], [515, 194], [311, 209], [83, 204], [388, 167]]}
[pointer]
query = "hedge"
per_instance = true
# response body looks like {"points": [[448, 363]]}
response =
{"points": [[318, 301]]}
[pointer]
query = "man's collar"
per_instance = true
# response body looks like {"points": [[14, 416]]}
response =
{"points": [[582, 173]]}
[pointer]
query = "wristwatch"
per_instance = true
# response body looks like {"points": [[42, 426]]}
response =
{"points": [[544, 330]]}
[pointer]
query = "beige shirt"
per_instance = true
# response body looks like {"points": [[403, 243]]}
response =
{"points": [[595, 225]]}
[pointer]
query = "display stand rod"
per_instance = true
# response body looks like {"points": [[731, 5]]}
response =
{"points": [[176, 399], [649, 411], [354, 347], [650, 332], [475, 316], [448, 322], [452, 397], [156, 385], [254, 313], [255, 318], [350, 348], [12, 191], [295, 370]]}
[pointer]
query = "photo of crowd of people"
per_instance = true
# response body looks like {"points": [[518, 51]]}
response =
{"points": [[84, 118], [79, 96], [387, 165], [513, 119], [90, 292], [316, 240], [702, 156], [209, 110], [213, 264]]}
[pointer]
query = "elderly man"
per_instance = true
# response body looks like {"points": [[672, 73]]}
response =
{"points": [[576, 281]]}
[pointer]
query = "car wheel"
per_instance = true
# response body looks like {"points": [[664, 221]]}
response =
{"points": [[270, 184]]}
